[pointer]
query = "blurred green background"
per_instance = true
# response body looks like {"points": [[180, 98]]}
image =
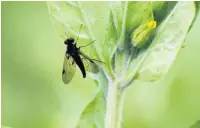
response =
{"points": [[33, 95]]}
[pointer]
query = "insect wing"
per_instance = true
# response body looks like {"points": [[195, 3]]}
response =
{"points": [[69, 69], [90, 64]]}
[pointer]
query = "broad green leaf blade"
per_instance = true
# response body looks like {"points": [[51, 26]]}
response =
{"points": [[156, 62], [67, 18], [62, 13], [93, 114], [98, 25]]}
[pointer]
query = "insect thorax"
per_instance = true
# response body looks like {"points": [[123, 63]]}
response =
{"points": [[72, 50]]}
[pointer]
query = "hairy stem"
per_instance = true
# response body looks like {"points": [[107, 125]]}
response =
{"points": [[114, 106]]}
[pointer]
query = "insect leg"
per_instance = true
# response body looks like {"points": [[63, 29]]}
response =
{"points": [[64, 36], [87, 44]]}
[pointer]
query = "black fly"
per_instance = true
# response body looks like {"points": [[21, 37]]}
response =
{"points": [[74, 56]]}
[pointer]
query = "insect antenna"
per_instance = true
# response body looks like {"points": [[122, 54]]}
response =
{"points": [[64, 36], [79, 32]]}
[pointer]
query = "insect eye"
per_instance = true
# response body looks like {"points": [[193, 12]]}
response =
{"points": [[65, 42]]}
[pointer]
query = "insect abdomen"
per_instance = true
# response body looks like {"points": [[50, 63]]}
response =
{"points": [[79, 62]]}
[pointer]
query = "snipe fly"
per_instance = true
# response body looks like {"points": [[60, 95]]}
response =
{"points": [[74, 56]]}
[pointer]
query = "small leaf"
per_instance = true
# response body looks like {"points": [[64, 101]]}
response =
{"points": [[93, 115], [167, 43]]}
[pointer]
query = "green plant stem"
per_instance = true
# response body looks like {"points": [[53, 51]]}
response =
{"points": [[114, 106]]}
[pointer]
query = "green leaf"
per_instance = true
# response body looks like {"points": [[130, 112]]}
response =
{"points": [[154, 63], [93, 115], [97, 25]]}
